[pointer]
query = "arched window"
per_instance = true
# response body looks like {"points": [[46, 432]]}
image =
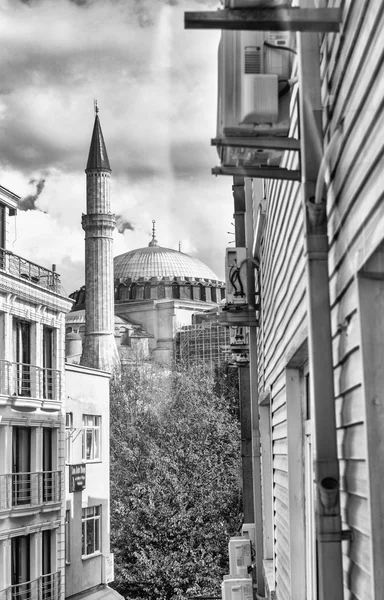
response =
{"points": [[133, 292], [175, 290], [161, 291], [202, 292], [147, 291], [213, 294], [188, 291], [121, 292]]}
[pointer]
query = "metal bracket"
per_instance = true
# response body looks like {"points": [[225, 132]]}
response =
{"points": [[266, 19]]}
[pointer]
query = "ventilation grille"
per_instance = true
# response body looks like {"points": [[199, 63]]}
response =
{"points": [[252, 60]]}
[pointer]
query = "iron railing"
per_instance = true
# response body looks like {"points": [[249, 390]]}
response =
{"points": [[45, 587], [29, 489], [29, 271], [19, 379]]}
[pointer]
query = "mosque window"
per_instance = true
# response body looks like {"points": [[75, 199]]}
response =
{"points": [[161, 291], [133, 291], [175, 290], [213, 294], [147, 291], [202, 295]]}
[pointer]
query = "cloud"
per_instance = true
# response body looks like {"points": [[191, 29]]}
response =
{"points": [[156, 90], [29, 201]]}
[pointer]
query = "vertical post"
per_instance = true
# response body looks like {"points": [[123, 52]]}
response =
{"points": [[328, 521], [254, 395]]}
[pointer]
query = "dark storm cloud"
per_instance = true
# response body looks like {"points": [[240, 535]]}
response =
{"points": [[29, 202], [123, 225]]}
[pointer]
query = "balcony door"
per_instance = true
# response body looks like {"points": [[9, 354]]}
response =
{"points": [[46, 562], [48, 481], [47, 362], [22, 350], [21, 466], [20, 567]]}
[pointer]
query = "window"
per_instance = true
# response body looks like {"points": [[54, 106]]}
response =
{"points": [[68, 437], [160, 291], [175, 290], [48, 383], [133, 292], [20, 567], [202, 296], [21, 466], [91, 437], [147, 291], [22, 354], [90, 531], [67, 537], [213, 294]]}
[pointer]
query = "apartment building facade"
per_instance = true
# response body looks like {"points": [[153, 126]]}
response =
{"points": [[32, 330]]}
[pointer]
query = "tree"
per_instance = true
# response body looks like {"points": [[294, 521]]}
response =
{"points": [[175, 482]]}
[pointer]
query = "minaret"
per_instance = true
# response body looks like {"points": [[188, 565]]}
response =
{"points": [[99, 347]]}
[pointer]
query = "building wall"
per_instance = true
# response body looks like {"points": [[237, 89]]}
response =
{"points": [[31, 426], [87, 393], [352, 91]]}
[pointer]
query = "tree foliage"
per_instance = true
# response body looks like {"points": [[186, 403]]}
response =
{"points": [[175, 481]]}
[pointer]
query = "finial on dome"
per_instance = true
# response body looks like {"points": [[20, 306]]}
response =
{"points": [[153, 241], [95, 106], [179, 245]]}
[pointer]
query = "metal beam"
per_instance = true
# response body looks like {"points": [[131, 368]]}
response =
{"points": [[258, 172], [266, 19], [258, 142]]}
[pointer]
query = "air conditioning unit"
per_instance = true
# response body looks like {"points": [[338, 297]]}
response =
{"points": [[248, 531], [253, 93], [236, 273], [236, 589], [240, 556]]}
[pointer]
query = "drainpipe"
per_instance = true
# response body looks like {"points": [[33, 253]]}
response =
{"points": [[326, 465]]}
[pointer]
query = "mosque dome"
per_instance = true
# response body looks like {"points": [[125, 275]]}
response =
{"points": [[159, 262], [154, 273], [155, 261]]}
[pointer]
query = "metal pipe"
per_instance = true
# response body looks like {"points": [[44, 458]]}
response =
{"points": [[326, 466]]}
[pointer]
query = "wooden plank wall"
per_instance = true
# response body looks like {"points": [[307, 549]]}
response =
{"points": [[283, 314], [353, 90]]}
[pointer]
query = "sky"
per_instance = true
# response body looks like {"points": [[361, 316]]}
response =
{"points": [[156, 89]]}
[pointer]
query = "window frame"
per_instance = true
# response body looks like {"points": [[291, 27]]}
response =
{"points": [[95, 432], [91, 515], [68, 437]]}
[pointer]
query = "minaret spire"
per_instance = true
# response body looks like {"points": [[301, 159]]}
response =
{"points": [[99, 348]]}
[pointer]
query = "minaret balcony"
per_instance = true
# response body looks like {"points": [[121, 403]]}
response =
{"points": [[27, 387], [28, 271], [29, 493]]}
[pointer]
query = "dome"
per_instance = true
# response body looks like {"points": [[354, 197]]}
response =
{"points": [[155, 261]]}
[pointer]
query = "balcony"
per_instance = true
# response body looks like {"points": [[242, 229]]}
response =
{"points": [[45, 587], [24, 269], [29, 386], [30, 490]]}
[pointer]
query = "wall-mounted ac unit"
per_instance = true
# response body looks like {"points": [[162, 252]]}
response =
{"points": [[248, 531], [236, 589], [253, 93], [240, 556], [236, 273]]}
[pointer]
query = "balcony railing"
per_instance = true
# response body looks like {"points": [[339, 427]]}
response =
{"points": [[45, 587], [19, 379], [29, 489], [20, 267]]}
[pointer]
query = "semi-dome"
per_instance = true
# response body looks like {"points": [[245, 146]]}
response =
{"points": [[155, 261]]}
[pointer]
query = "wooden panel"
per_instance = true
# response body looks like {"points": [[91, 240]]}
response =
{"points": [[354, 477], [352, 443], [350, 407], [348, 375]]}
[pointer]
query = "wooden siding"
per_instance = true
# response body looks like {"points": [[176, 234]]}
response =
{"points": [[352, 72], [353, 88]]}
